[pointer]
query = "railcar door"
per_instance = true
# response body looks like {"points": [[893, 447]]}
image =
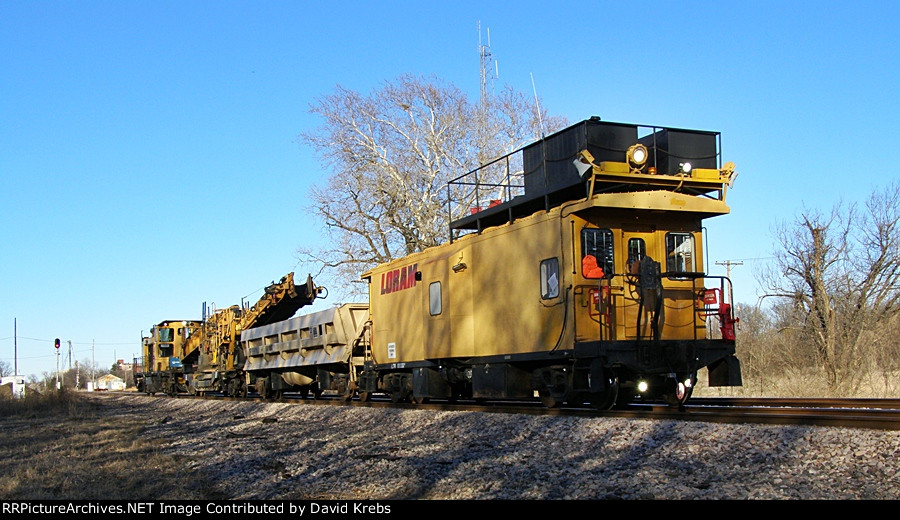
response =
{"points": [[435, 304], [683, 255], [594, 274], [632, 304], [667, 307]]}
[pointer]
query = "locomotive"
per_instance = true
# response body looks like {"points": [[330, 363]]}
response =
{"points": [[573, 273]]}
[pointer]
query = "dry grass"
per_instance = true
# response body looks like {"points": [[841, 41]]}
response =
{"points": [[60, 446], [64, 446], [804, 383]]}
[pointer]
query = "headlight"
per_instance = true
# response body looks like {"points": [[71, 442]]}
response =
{"points": [[637, 154], [685, 167], [642, 386]]}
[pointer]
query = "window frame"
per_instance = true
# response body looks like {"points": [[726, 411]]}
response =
{"points": [[431, 298], [608, 262], [672, 254], [546, 276]]}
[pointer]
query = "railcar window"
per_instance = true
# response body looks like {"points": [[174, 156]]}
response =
{"points": [[550, 278], [165, 349], [596, 252], [166, 334], [434, 298], [680, 253], [637, 250]]}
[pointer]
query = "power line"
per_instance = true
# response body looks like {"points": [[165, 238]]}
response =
{"points": [[754, 259], [73, 342], [728, 264]]}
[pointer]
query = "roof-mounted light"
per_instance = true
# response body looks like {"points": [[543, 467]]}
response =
{"points": [[637, 155], [684, 167]]}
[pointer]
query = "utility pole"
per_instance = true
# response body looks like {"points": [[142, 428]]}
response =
{"points": [[15, 348], [70, 354], [728, 264]]}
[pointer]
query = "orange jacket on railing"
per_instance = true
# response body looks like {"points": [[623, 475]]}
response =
{"points": [[589, 267]]}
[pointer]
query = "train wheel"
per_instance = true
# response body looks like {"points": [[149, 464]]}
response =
{"points": [[678, 395], [550, 400], [420, 400], [605, 400], [364, 397], [262, 388], [400, 397], [349, 391]]}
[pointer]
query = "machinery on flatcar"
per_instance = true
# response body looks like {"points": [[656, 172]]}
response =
{"points": [[580, 280]]}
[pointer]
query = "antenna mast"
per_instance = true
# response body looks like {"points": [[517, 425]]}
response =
{"points": [[537, 106], [484, 53]]}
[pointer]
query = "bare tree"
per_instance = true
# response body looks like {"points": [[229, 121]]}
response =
{"points": [[5, 369], [391, 154], [841, 272]]}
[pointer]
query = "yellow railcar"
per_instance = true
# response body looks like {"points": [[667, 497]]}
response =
{"points": [[581, 278], [161, 367], [205, 356]]}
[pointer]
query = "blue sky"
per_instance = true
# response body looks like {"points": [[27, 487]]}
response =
{"points": [[149, 155]]}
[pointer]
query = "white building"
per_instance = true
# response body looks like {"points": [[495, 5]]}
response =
{"points": [[110, 382], [17, 385]]}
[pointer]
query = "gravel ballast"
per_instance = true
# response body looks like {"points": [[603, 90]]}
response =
{"points": [[278, 451]]}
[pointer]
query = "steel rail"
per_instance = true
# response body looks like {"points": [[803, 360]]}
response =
{"points": [[847, 413]]}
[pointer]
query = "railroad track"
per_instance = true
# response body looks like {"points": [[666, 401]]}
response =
{"points": [[881, 414]]}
